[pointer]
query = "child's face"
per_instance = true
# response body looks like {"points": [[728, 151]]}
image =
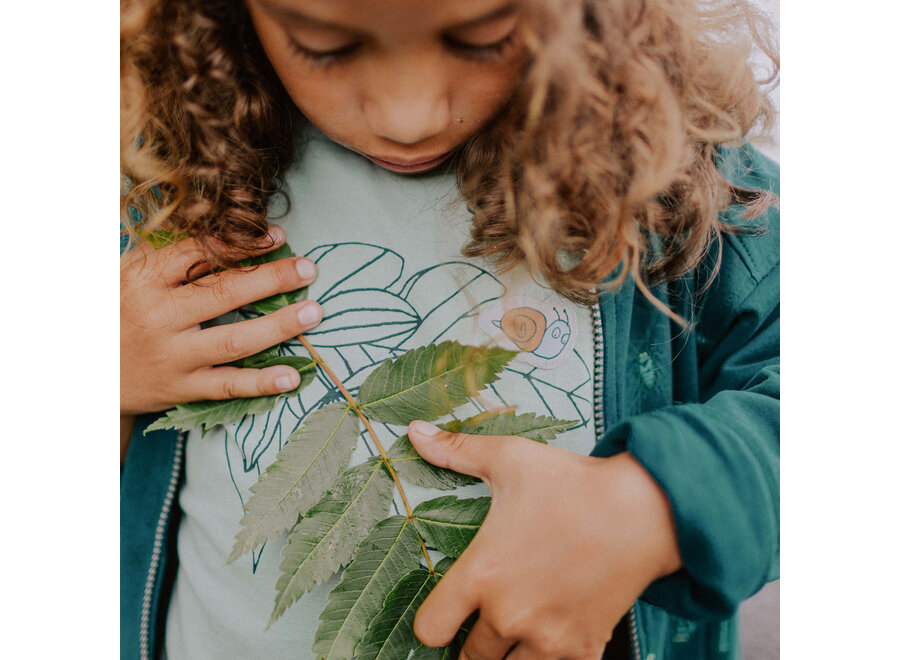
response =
{"points": [[403, 82]]}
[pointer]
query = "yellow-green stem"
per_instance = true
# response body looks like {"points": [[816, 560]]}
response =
{"points": [[384, 459]]}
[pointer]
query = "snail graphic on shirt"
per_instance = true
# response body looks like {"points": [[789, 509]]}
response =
{"points": [[527, 328]]}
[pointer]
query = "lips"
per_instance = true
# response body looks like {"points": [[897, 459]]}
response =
{"points": [[409, 166]]}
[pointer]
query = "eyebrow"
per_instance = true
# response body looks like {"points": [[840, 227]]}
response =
{"points": [[297, 15]]}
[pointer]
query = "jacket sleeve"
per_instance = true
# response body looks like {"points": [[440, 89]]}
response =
{"points": [[717, 459]]}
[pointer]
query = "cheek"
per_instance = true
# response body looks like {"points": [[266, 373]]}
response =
{"points": [[325, 103], [486, 99], [329, 102], [482, 91], [318, 96]]}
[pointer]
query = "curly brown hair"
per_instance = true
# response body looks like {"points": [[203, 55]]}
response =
{"points": [[607, 147]]}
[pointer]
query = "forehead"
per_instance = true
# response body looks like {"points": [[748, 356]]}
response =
{"points": [[398, 17]]}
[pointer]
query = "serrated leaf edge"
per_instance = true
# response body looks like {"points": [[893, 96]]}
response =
{"points": [[280, 597], [441, 375], [407, 523], [324, 445]]}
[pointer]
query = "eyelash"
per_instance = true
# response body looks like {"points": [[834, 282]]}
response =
{"points": [[483, 53], [325, 59]]}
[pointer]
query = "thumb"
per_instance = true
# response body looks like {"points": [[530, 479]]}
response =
{"points": [[474, 455]]}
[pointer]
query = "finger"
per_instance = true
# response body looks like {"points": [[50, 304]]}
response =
{"points": [[226, 343], [234, 383], [446, 608], [485, 643], [182, 255], [476, 455], [223, 292]]}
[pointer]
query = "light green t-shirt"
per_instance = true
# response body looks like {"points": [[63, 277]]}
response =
{"points": [[390, 278]]}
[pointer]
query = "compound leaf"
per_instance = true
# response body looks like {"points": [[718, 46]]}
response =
{"points": [[327, 536], [428, 382], [448, 523], [369, 615], [206, 414], [385, 556], [301, 473]]}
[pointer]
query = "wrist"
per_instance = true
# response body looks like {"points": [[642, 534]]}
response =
{"points": [[656, 516]]}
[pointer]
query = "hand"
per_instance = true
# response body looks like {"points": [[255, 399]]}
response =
{"points": [[568, 545], [166, 358]]}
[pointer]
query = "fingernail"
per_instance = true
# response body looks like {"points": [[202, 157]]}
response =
{"points": [[276, 233], [309, 314], [287, 382], [306, 269], [425, 428]]}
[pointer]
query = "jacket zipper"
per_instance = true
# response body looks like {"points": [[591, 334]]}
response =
{"points": [[158, 539], [599, 430], [632, 629]]}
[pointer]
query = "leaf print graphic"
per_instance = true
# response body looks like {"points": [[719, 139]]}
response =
{"points": [[364, 316], [254, 444], [241, 479], [446, 294], [349, 266]]}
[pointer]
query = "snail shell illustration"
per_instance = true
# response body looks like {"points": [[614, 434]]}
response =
{"points": [[524, 326], [528, 329]]}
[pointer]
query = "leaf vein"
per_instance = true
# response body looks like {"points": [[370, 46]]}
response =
{"points": [[331, 529], [307, 469]]}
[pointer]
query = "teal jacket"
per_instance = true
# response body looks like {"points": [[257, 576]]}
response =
{"points": [[698, 408]]}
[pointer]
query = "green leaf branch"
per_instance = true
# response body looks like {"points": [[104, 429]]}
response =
{"points": [[338, 517]]}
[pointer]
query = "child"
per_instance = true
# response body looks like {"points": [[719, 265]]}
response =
{"points": [[585, 139]]}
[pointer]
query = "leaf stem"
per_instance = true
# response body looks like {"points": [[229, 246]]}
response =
{"points": [[384, 459]]}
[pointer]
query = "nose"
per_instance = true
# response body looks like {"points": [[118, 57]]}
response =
{"points": [[407, 100]]}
